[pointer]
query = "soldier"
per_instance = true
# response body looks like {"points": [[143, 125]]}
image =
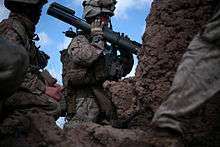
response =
{"points": [[13, 61], [87, 63], [196, 82], [31, 111]]}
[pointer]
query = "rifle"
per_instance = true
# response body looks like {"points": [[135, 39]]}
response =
{"points": [[68, 15]]}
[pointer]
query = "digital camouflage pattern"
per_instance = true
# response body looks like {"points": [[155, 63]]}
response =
{"points": [[85, 68], [93, 8], [197, 80], [19, 30], [29, 114], [13, 63], [77, 73], [84, 53]]}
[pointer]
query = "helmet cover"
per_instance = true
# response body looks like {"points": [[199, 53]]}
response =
{"points": [[11, 4], [94, 8]]}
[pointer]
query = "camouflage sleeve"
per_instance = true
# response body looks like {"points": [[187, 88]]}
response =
{"points": [[13, 62], [49, 79], [32, 83], [76, 75], [8, 32], [83, 52]]}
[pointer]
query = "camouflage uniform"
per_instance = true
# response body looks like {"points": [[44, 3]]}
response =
{"points": [[88, 63], [85, 68], [29, 113], [13, 62], [197, 80]]}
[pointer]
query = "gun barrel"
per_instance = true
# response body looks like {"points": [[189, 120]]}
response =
{"points": [[115, 38], [121, 42], [68, 18], [63, 8]]}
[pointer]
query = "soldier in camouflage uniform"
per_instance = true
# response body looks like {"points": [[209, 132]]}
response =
{"points": [[87, 64], [29, 114], [196, 82], [13, 62]]}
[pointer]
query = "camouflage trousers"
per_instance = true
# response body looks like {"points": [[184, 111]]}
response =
{"points": [[197, 80], [87, 109]]}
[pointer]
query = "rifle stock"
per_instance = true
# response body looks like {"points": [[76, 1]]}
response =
{"points": [[67, 15]]}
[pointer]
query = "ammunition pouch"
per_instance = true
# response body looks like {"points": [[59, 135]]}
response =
{"points": [[126, 59], [39, 59], [111, 67]]}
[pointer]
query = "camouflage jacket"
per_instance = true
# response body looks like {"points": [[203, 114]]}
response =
{"points": [[20, 31], [86, 63], [13, 63], [85, 67]]}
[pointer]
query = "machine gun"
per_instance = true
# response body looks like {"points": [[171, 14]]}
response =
{"points": [[68, 15]]}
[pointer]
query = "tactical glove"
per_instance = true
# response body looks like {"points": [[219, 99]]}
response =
{"points": [[96, 27], [54, 92]]}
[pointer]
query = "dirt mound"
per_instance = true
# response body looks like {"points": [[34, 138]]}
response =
{"points": [[170, 27]]}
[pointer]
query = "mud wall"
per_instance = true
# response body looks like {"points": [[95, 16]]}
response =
{"points": [[170, 27]]}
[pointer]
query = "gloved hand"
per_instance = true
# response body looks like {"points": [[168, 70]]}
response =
{"points": [[97, 27], [54, 92]]}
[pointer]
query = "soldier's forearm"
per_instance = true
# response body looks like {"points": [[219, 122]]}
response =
{"points": [[83, 52]]}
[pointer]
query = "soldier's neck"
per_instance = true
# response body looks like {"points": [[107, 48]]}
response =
{"points": [[27, 23]]}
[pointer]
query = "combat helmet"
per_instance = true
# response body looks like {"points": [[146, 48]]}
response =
{"points": [[93, 8], [14, 4]]}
